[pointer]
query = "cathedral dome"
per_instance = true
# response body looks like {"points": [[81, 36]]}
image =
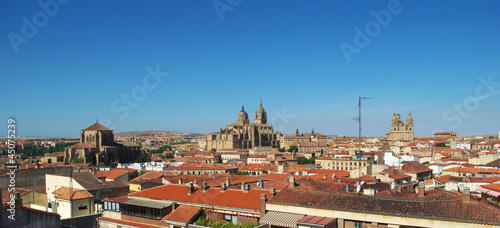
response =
{"points": [[242, 116], [242, 113], [312, 134]]}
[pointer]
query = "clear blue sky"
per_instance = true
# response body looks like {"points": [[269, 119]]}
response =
{"points": [[430, 57]]}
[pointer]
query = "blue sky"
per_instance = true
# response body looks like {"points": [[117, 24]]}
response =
{"points": [[439, 59]]}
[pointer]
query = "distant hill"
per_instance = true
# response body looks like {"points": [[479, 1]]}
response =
{"points": [[169, 134]]}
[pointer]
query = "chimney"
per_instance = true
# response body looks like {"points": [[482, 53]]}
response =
{"points": [[273, 192], [195, 181], [223, 187], [261, 183], [242, 185], [324, 176], [466, 195], [421, 189], [204, 187], [291, 182], [190, 188], [79, 169], [228, 182], [262, 208], [247, 188], [17, 199], [180, 180]]}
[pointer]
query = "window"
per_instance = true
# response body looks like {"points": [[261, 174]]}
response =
{"points": [[82, 208]]}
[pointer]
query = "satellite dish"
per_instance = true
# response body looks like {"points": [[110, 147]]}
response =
{"points": [[258, 184], [393, 186], [358, 188], [362, 182]]}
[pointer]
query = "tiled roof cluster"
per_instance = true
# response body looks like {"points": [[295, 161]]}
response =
{"points": [[213, 196], [442, 205]]}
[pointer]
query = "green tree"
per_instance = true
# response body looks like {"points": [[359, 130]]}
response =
{"points": [[310, 161], [281, 149], [441, 144], [293, 149], [144, 157]]}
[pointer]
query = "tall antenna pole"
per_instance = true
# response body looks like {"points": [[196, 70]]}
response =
{"points": [[358, 154], [359, 121]]}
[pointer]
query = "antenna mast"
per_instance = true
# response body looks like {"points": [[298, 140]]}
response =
{"points": [[359, 121]]}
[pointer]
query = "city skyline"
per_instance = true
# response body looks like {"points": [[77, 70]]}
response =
{"points": [[177, 66]]}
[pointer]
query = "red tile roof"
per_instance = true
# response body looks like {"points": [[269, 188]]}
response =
{"points": [[96, 126], [111, 174], [71, 193], [213, 196], [441, 205], [472, 170], [131, 223], [82, 145], [183, 214], [495, 187], [316, 220], [329, 172], [414, 167]]}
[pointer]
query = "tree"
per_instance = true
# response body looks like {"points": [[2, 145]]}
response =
{"points": [[281, 149], [310, 161], [441, 144], [244, 173], [145, 157], [293, 149]]}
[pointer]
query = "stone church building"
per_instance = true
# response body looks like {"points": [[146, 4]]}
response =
{"points": [[401, 131], [243, 134], [97, 146]]}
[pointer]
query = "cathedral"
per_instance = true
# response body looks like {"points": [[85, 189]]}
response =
{"points": [[243, 134], [401, 131]]}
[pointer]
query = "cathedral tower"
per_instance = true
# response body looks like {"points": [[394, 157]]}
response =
{"points": [[260, 115]]}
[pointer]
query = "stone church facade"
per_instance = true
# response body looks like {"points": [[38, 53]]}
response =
{"points": [[243, 134], [401, 131], [97, 146]]}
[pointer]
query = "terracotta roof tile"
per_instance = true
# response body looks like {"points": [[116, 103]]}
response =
{"points": [[111, 174], [183, 214], [440, 205], [96, 126], [71, 193], [213, 196]]}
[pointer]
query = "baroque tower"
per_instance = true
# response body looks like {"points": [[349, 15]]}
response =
{"points": [[260, 115]]}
